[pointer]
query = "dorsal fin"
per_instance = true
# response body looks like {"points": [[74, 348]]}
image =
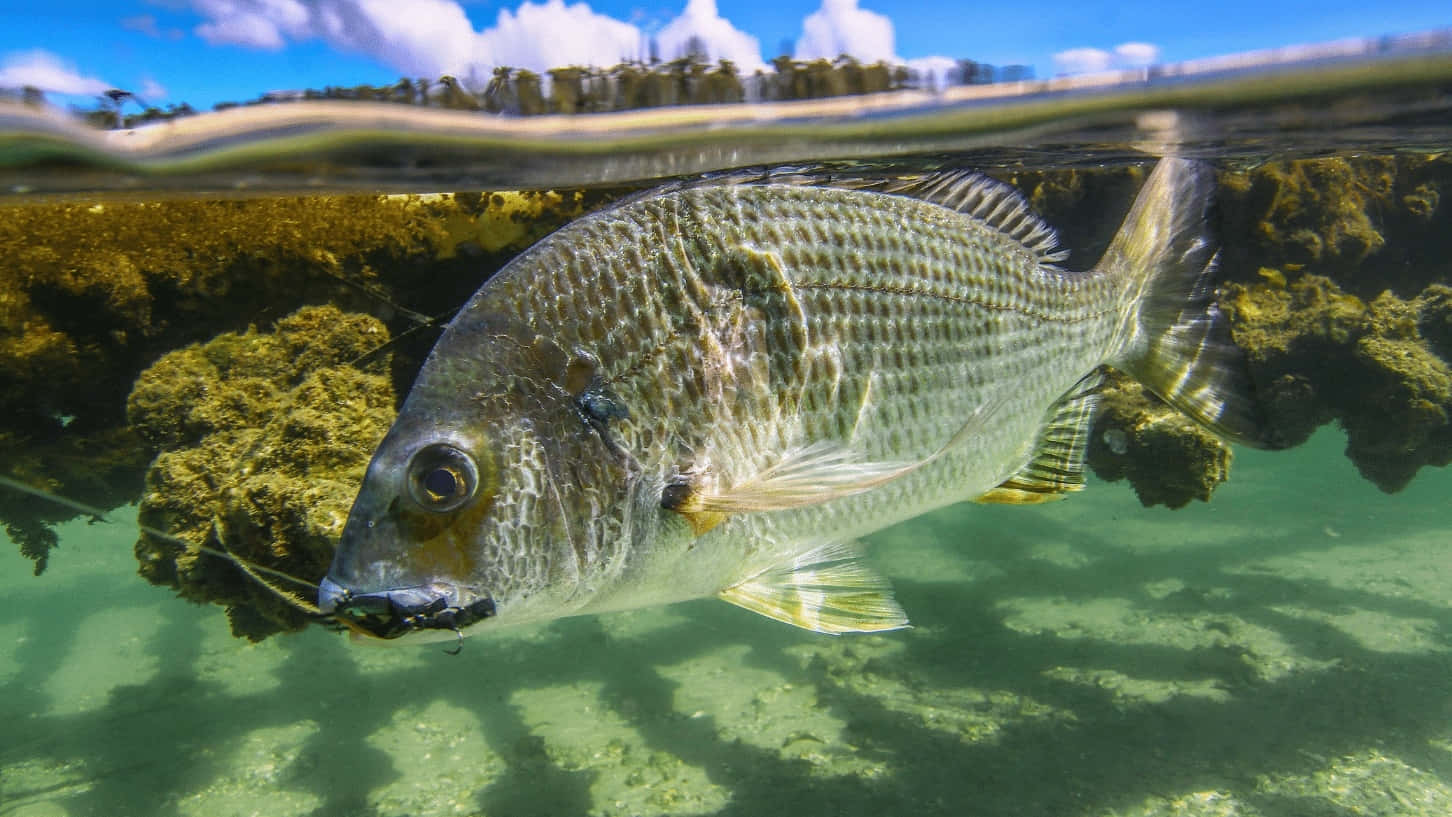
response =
{"points": [[1057, 465], [998, 205]]}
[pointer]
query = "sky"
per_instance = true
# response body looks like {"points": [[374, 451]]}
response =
{"points": [[205, 51]]}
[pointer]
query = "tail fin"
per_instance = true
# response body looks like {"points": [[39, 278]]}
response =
{"points": [[1174, 339]]}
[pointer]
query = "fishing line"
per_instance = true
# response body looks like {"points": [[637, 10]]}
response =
{"points": [[99, 515]]}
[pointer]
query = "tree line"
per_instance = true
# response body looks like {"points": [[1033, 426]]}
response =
{"points": [[689, 80]]}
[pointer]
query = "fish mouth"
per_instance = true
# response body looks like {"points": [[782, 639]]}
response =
{"points": [[401, 610]]}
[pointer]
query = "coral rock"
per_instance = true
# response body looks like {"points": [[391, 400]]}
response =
{"points": [[264, 440], [1318, 354], [1167, 457]]}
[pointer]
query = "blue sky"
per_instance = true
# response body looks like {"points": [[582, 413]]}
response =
{"points": [[202, 51]]}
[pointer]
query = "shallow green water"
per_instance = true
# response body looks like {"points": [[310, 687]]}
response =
{"points": [[1283, 650]]}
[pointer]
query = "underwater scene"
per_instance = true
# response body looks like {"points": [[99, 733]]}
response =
{"points": [[733, 491]]}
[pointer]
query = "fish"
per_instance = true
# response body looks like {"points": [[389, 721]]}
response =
{"points": [[716, 388]]}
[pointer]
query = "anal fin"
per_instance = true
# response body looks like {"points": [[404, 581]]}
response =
{"points": [[826, 590], [1057, 465]]}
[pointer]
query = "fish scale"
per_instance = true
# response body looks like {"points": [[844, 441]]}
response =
{"points": [[721, 383], [881, 297]]}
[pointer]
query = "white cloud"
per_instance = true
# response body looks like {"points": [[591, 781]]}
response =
{"points": [[840, 27], [42, 69], [1090, 60], [147, 24], [152, 91], [702, 25], [252, 30], [255, 23], [1136, 55], [144, 23], [554, 35], [1082, 61], [432, 37], [427, 37], [418, 37]]}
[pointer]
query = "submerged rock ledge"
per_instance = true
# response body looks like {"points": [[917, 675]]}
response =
{"points": [[91, 295]]}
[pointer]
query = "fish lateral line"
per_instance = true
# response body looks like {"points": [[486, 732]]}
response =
{"points": [[812, 474]]}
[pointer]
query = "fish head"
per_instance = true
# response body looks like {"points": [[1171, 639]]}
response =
{"points": [[487, 500]]}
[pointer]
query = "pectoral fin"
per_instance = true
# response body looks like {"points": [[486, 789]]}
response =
{"points": [[805, 476], [826, 590], [812, 474]]}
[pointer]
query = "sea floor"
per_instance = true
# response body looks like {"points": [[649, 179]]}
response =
{"points": [[1283, 651]]}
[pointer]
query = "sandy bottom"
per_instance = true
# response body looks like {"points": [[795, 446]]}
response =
{"points": [[1284, 651]]}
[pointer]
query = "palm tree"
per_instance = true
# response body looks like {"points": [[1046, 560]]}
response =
{"points": [[118, 97]]}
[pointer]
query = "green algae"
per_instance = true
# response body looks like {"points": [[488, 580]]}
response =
{"points": [[1168, 458], [1316, 355], [1319, 355], [1308, 251], [1369, 223], [1315, 212], [92, 294], [263, 439]]}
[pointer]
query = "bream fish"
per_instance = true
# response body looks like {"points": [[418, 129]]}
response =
{"points": [[713, 388]]}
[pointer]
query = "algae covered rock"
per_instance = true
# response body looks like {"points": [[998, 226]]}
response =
{"points": [[1334, 274], [1378, 368], [1316, 355], [1084, 206], [1370, 223], [93, 293], [1314, 211], [1168, 458], [264, 438]]}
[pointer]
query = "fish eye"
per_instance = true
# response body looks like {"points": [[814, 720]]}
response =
{"points": [[442, 478]]}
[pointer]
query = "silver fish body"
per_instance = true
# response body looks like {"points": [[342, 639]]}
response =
{"points": [[714, 388]]}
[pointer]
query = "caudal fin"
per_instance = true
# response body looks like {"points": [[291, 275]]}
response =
{"points": [[1176, 340]]}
